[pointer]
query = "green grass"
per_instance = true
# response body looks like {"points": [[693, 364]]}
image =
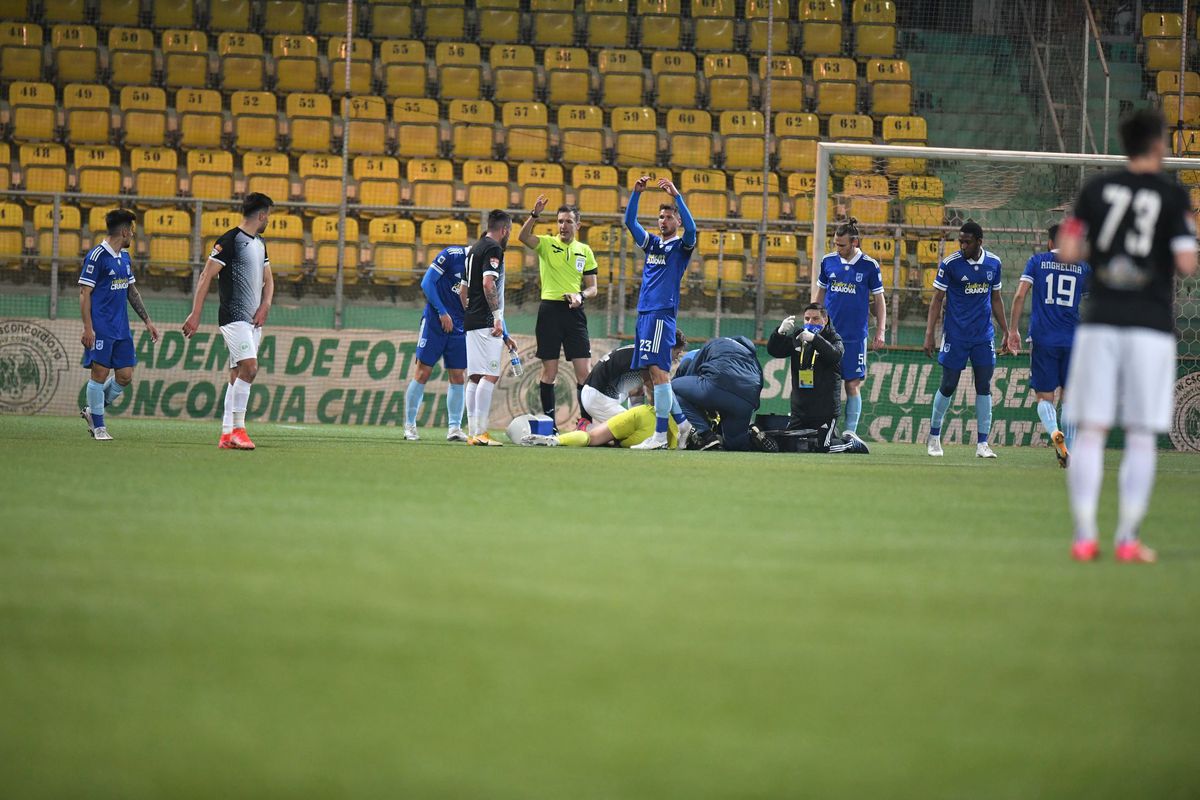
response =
{"points": [[343, 614]]}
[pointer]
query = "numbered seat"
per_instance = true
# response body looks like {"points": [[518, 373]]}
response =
{"points": [[748, 188], [874, 41], [607, 23], [185, 59], [459, 70], [404, 71], [210, 174], [267, 173], [241, 59], [891, 98], [852, 128], [499, 21], [445, 21], [200, 119], [722, 262], [756, 12], [867, 197], [21, 51], [70, 239], [553, 22], [89, 119], [12, 236], [143, 115], [33, 111], [5, 169], [168, 232], [675, 79], [596, 189], [798, 135], [76, 56], [393, 251], [713, 26], [802, 189], [61, 10], [1167, 83], [1161, 34], [378, 179], [229, 15], [155, 173], [621, 81], [636, 133], [728, 80], [659, 24], [514, 75], [367, 134], [173, 14], [309, 125], [909, 131], [568, 75], [284, 17], [98, 171], [527, 136], [320, 180], [690, 132], [581, 134], [297, 68], [743, 135], [922, 199], [534, 179], [605, 241], [325, 240], [391, 20], [130, 56], [418, 133], [215, 224], [781, 274], [438, 234], [820, 27], [706, 193], [472, 129], [487, 184], [787, 81], [431, 182], [331, 19], [119, 13], [255, 120], [836, 81], [883, 250]]}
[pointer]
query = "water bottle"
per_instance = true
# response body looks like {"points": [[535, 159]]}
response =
{"points": [[518, 369]]}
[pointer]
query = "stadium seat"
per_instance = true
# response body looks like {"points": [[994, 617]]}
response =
{"points": [[438, 234], [200, 121], [867, 197], [459, 74], [296, 64], [742, 132], [756, 13], [210, 174], [820, 27], [891, 98], [320, 180], [722, 262], [596, 189], [96, 223], [636, 132], [155, 172], [418, 134], [659, 24], [888, 69], [70, 243], [906, 131], [445, 21], [5, 169], [362, 65], [378, 180], [534, 179], [143, 115], [852, 128], [119, 13], [802, 188], [391, 20], [728, 80], [621, 82], [309, 126], [713, 25], [173, 14], [325, 239], [554, 28], [675, 78], [930, 253], [487, 184], [836, 86], [229, 15], [185, 55], [705, 192], [255, 121], [33, 111], [1162, 26], [748, 187], [21, 51], [472, 129], [690, 134], [404, 72], [98, 169], [883, 250], [875, 11], [780, 276], [633, 174], [87, 111], [68, 11], [605, 241], [526, 134], [607, 23], [169, 232], [393, 251], [581, 134], [75, 54], [267, 173], [432, 184], [214, 224], [568, 77], [1167, 83], [368, 125], [798, 135], [499, 21], [787, 82], [241, 60], [130, 56], [12, 235], [874, 41], [284, 16], [513, 73], [924, 214], [1161, 34], [331, 19]]}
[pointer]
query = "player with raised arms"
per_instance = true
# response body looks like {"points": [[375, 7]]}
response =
{"points": [[1057, 289], [968, 285], [441, 337], [484, 324], [1138, 231]]}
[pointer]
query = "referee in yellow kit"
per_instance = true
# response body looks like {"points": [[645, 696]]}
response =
{"points": [[568, 276]]}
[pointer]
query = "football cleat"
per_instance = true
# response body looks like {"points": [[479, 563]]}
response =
{"points": [[685, 430], [1060, 448], [410, 434], [934, 447], [1134, 552], [658, 441], [101, 435], [224, 443], [582, 425], [239, 440], [983, 451], [1085, 550], [485, 440], [87, 417], [538, 440], [456, 434]]}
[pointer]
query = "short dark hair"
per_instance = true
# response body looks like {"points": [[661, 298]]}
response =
{"points": [[1140, 130], [818, 307], [572, 210], [848, 228], [118, 218], [668, 207], [680, 340], [1052, 233], [498, 219], [256, 202], [972, 228]]}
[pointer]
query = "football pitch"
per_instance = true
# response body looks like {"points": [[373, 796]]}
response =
{"points": [[344, 614]]}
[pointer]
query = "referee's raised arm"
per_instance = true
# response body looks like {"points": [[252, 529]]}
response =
{"points": [[527, 236]]}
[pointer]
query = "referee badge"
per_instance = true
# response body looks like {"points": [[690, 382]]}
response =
{"points": [[580, 263]]}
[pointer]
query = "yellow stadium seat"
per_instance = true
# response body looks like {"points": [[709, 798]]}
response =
{"points": [[802, 188], [636, 132], [12, 235], [96, 223], [1162, 54], [210, 174], [155, 172], [445, 22], [432, 183], [472, 129], [267, 173], [728, 81], [621, 82], [534, 179], [185, 56], [527, 135], [143, 115], [21, 51], [756, 12], [487, 184], [748, 186], [320, 179], [1162, 26], [851, 128], [368, 125], [787, 82], [798, 134], [460, 75], [70, 244], [378, 180], [581, 134], [883, 250], [660, 24], [513, 73], [869, 210], [499, 22], [891, 98], [255, 124], [898, 129], [75, 53], [875, 41], [653, 173], [820, 38], [119, 13], [605, 241], [131, 56], [296, 64], [722, 262], [285, 233], [325, 239], [241, 59], [173, 14], [836, 97], [1167, 82], [568, 79], [5, 169], [554, 28], [391, 20], [87, 111], [596, 189], [705, 192], [675, 78], [417, 131], [713, 25], [393, 251], [690, 134], [925, 214], [33, 111], [229, 15], [437, 234], [284, 16], [362, 65], [607, 23], [541, 6], [64, 10], [331, 19], [200, 121], [878, 11], [781, 275], [404, 73], [888, 69], [99, 170], [214, 225], [309, 126], [742, 132]]}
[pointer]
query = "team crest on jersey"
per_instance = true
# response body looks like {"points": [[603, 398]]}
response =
{"points": [[495, 262], [989, 275], [858, 276], [215, 251]]}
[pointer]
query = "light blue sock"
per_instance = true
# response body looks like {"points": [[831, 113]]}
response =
{"points": [[1068, 428], [454, 405], [112, 390], [941, 404], [412, 401], [664, 401], [95, 398], [853, 412], [677, 410], [1049, 416], [983, 413]]}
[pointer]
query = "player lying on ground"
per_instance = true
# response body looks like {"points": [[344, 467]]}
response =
{"points": [[628, 429], [441, 337], [614, 381]]}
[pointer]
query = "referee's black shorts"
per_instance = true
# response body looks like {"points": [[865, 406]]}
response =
{"points": [[560, 327]]}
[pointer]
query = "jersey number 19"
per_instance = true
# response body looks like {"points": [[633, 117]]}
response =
{"points": [[1060, 290]]}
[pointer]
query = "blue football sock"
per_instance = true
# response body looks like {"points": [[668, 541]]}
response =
{"points": [[412, 401], [664, 401], [112, 390], [677, 410], [1068, 428], [95, 399], [941, 404], [454, 405], [983, 414], [853, 412], [1049, 416]]}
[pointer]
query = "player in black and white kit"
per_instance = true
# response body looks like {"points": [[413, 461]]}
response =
{"points": [[1137, 230], [484, 324], [613, 380], [239, 262]]}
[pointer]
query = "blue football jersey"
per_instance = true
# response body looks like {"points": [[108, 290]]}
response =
{"points": [[1055, 289], [848, 288], [665, 264], [968, 286], [450, 266], [110, 276]]}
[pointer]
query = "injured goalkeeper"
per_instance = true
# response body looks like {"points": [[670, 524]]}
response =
{"points": [[625, 429]]}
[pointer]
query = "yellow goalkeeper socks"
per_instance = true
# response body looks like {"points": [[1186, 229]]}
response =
{"points": [[574, 439]]}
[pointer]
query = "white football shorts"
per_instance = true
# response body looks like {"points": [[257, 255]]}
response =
{"points": [[599, 406], [242, 340], [484, 352], [1121, 376]]}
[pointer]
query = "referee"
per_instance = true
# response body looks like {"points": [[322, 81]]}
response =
{"points": [[568, 276]]}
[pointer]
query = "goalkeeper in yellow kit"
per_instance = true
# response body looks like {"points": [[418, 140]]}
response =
{"points": [[626, 429]]}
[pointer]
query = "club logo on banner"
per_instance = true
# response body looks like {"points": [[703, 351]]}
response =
{"points": [[32, 360], [1185, 432]]}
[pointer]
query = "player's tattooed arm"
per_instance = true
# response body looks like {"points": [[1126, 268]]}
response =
{"points": [[491, 291], [135, 300]]}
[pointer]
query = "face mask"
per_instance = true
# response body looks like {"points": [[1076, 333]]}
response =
{"points": [[813, 328]]}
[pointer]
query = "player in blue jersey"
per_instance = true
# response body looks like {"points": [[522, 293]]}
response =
{"points": [[667, 257], [442, 337], [968, 285], [106, 284], [848, 284], [1057, 289]]}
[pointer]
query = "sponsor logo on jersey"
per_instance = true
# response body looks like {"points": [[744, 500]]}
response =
{"points": [[119, 284], [843, 287], [654, 260], [976, 288]]}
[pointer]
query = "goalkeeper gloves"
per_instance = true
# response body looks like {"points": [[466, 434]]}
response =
{"points": [[788, 326]]}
